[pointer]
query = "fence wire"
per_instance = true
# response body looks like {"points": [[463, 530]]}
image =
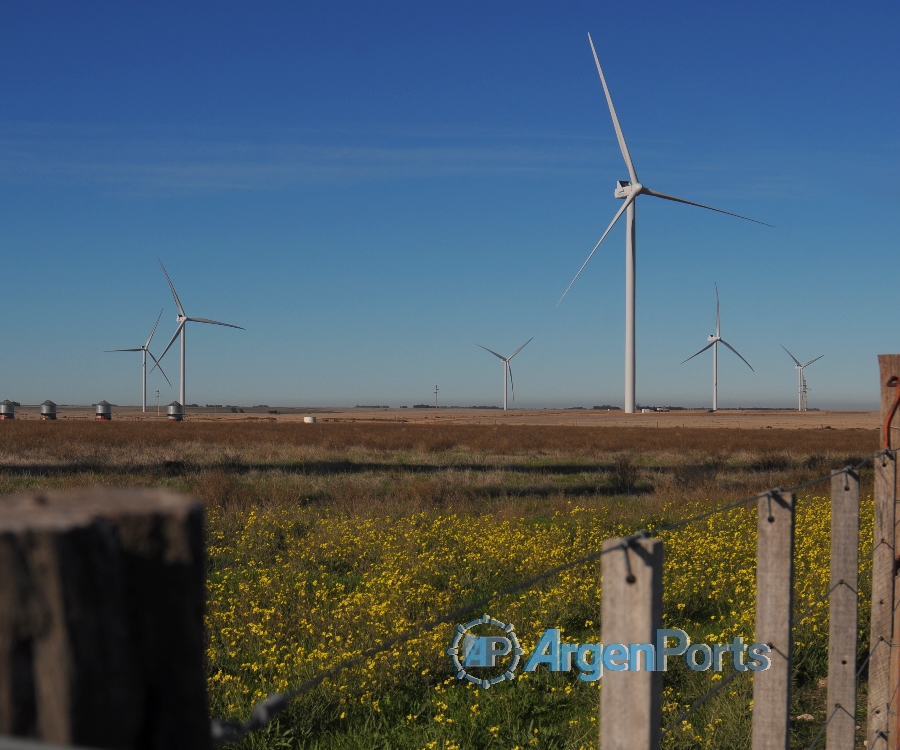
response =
{"points": [[226, 731]]}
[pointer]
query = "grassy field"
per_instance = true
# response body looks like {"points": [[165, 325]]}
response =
{"points": [[327, 539]]}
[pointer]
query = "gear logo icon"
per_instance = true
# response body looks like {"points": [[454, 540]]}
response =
{"points": [[479, 651]]}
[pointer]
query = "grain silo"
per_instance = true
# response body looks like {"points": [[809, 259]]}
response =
{"points": [[103, 412], [48, 410], [175, 412], [7, 409]]}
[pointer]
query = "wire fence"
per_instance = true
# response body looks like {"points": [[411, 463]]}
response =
{"points": [[225, 731]]}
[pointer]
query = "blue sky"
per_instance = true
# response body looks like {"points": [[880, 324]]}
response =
{"points": [[371, 190]]}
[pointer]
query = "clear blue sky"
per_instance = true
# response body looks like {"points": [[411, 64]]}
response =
{"points": [[371, 189]]}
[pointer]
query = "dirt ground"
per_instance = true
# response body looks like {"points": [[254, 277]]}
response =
{"points": [[838, 420]]}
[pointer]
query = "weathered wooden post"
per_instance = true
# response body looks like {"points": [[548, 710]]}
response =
{"points": [[774, 605], [889, 370], [843, 605], [881, 627], [631, 612], [102, 596]]}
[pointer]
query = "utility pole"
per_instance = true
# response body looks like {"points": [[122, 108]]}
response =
{"points": [[157, 403], [436, 389]]}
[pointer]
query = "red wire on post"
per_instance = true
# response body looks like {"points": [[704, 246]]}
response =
{"points": [[886, 440]]}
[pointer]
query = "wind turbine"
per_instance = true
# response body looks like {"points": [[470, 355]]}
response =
{"points": [[183, 320], [714, 343], [145, 350], [507, 370], [629, 190], [801, 384]]}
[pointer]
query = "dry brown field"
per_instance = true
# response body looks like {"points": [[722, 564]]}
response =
{"points": [[744, 420], [375, 466]]}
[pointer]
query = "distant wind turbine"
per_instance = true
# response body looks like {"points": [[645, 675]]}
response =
{"points": [[801, 396], [145, 350], [507, 370], [714, 343], [183, 320], [629, 191]]}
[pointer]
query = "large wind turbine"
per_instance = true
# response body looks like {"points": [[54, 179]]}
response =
{"points": [[507, 370], [714, 343], [145, 349], [801, 384], [183, 320], [629, 190]]}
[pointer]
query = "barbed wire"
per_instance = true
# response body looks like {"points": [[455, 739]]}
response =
{"points": [[808, 611], [824, 727], [226, 731]]}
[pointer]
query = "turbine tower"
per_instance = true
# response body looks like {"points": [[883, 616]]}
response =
{"points": [[628, 191], [183, 320], [507, 370], [714, 343], [801, 380], [145, 350]]}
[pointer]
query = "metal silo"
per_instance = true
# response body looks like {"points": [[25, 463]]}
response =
{"points": [[48, 410], [103, 412], [7, 410], [175, 412]]}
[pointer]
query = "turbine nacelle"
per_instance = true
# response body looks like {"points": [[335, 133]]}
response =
{"points": [[625, 189]]}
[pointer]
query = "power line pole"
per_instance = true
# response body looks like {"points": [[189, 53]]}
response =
{"points": [[436, 389], [157, 403]]}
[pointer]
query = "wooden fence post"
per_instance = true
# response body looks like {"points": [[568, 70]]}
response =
{"points": [[843, 606], [881, 628], [774, 612], [631, 612], [102, 596], [881, 731]]}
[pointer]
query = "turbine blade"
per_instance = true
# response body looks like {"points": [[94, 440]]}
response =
{"points": [[717, 309], [154, 328], [160, 368], [700, 352], [215, 323], [615, 119], [656, 194], [124, 350], [172, 287], [792, 356], [737, 352], [492, 352], [813, 360], [171, 341], [511, 384], [628, 201], [521, 348]]}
